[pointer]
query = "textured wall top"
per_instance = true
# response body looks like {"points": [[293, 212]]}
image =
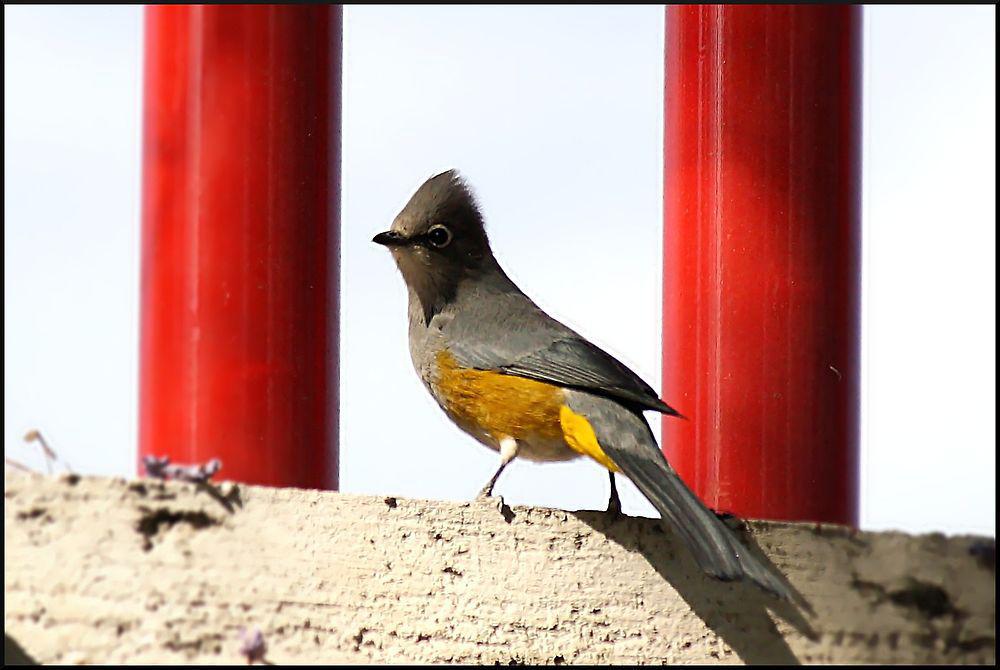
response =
{"points": [[107, 570]]}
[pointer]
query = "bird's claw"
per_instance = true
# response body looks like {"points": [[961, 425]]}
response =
{"points": [[614, 509]]}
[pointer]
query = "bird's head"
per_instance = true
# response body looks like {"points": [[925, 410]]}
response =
{"points": [[438, 239]]}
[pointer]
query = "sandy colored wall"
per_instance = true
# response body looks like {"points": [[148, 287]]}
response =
{"points": [[107, 570]]}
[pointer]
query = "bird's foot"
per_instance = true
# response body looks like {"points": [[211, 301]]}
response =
{"points": [[614, 502], [486, 497], [614, 510]]}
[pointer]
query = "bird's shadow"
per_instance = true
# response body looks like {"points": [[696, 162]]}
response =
{"points": [[738, 612], [14, 653]]}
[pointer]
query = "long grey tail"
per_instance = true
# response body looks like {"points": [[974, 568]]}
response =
{"points": [[714, 545]]}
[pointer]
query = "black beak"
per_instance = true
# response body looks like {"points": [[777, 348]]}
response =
{"points": [[389, 238]]}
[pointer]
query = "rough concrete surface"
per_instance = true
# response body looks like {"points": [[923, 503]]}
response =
{"points": [[111, 571]]}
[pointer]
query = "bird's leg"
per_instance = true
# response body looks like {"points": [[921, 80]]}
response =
{"points": [[508, 451], [614, 503], [487, 490]]}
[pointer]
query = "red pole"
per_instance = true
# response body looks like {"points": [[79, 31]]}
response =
{"points": [[240, 241], [761, 289]]}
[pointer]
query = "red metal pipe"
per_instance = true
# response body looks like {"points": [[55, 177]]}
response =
{"points": [[240, 240], [761, 284]]}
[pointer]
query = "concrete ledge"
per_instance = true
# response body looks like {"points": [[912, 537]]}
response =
{"points": [[112, 571]]}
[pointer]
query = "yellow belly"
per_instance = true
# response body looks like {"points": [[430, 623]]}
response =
{"points": [[493, 406]]}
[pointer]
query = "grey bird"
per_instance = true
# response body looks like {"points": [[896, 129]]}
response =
{"points": [[525, 385]]}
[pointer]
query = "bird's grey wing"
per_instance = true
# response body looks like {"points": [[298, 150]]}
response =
{"points": [[576, 363], [529, 343]]}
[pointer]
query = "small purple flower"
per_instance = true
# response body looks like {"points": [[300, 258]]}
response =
{"points": [[252, 645], [161, 468], [156, 466]]}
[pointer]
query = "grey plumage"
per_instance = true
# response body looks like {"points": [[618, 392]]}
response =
{"points": [[627, 439], [463, 303]]}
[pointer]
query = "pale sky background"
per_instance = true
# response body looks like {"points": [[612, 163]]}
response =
{"points": [[554, 115]]}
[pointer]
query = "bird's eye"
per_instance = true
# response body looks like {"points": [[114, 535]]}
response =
{"points": [[439, 236]]}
